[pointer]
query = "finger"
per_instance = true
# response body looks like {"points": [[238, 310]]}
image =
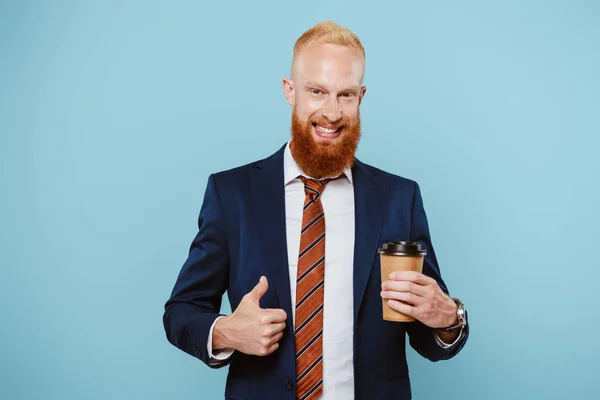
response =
{"points": [[273, 347], [259, 290], [277, 327], [405, 309], [404, 286], [403, 296], [276, 338], [412, 276], [275, 315]]}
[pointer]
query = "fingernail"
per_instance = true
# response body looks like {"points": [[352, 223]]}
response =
{"points": [[392, 275]]}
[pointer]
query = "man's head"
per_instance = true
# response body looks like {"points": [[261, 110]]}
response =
{"points": [[325, 90]]}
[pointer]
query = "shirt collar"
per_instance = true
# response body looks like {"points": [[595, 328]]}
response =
{"points": [[291, 170]]}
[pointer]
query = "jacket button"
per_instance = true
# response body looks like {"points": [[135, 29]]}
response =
{"points": [[289, 385]]}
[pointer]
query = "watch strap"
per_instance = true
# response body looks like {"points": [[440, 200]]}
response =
{"points": [[460, 313]]}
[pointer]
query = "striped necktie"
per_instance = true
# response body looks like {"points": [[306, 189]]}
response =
{"points": [[310, 284]]}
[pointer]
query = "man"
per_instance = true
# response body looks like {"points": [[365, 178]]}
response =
{"points": [[293, 240]]}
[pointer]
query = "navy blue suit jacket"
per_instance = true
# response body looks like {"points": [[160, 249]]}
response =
{"points": [[242, 236]]}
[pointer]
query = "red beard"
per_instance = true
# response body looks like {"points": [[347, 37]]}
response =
{"points": [[324, 159]]}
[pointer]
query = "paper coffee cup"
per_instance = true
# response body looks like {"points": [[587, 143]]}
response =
{"points": [[399, 256]]}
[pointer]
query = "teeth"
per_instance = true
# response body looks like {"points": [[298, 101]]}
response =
{"points": [[325, 130]]}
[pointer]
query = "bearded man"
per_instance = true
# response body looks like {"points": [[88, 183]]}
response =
{"points": [[293, 240]]}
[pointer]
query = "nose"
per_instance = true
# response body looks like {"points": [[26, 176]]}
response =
{"points": [[332, 111]]}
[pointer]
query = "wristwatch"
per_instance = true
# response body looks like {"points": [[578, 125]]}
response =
{"points": [[460, 313]]}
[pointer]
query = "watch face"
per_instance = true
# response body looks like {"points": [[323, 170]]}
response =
{"points": [[461, 313]]}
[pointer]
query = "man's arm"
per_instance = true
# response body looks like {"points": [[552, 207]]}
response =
{"points": [[422, 338], [196, 298], [192, 320]]}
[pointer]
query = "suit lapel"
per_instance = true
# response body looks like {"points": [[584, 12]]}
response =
{"points": [[268, 201], [369, 201]]}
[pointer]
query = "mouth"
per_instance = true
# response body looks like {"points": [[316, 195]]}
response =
{"points": [[325, 132]]}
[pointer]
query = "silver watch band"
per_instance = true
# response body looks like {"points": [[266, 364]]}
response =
{"points": [[460, 313]]}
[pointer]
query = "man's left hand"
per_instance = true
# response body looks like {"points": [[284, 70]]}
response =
{"points": [[419, 296]]}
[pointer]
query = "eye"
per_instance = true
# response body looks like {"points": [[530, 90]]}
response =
{"points": [[347, 95], [316, 91]]}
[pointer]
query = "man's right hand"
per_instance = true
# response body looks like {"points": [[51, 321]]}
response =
{"points": [[251, 329]]}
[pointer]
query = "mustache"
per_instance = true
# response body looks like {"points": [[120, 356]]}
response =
{"points": [[323, 122]]}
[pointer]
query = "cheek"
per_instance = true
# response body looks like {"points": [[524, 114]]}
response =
{"points": [[305, 109], [350, 111]]}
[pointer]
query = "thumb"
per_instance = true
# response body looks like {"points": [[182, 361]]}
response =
{"points": [[260, 289]]}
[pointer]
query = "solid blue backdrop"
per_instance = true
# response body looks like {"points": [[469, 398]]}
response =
{"points": [[113, 114]]}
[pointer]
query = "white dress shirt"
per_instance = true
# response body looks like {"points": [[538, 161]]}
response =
{"points": [[338, 207]]}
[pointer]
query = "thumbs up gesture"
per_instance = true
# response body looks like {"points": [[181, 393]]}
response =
{"points": [[251, 329]]}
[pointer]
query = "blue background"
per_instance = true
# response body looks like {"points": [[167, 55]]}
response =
{"points": [[113, 114]]}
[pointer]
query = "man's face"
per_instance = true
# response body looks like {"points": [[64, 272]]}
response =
{"points": [[325, 92]]}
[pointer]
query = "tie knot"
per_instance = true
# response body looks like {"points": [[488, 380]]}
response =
{"points": [[313, 187]]}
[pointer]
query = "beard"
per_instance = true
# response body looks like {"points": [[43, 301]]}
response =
{"points": [[326, 158]]}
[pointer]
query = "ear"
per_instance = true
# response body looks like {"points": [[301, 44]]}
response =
{"points": [[289, 91], [363, 90]]}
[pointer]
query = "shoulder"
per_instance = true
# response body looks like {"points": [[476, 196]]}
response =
{"points": [[235, 172], [240, 176], [391, 181]]}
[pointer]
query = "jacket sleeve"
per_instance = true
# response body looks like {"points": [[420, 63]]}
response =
{"points": [[196, 298], [421, 336]]}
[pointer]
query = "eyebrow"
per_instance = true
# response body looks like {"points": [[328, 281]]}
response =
{"points": [[316, 85]]}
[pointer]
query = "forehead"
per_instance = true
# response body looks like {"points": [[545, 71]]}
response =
{"points": [[329, 65]]}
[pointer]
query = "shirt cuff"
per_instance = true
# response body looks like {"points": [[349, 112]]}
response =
{"points": [[220, 355], [444, 345]]}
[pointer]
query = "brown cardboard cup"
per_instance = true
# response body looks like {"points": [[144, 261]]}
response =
{"points": [[399, 256]]}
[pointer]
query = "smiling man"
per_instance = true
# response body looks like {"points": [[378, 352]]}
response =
{"points": [[293, 239]]}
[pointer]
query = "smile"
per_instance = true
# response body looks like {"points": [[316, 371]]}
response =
{"points": [[327, 133]]}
